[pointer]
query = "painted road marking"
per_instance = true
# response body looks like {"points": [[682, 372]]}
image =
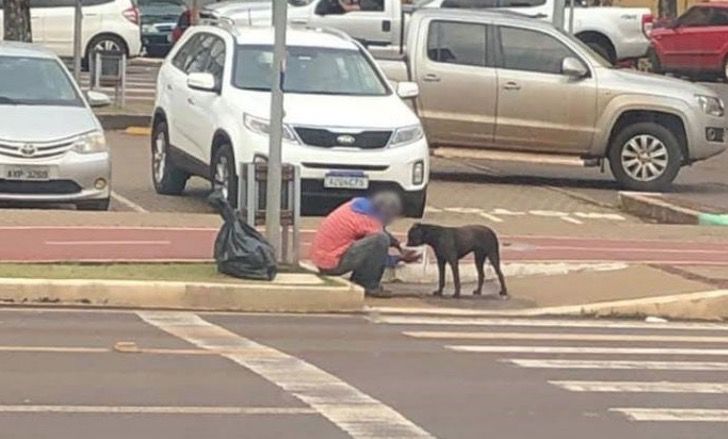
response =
{"points": [[55, 349], [641, 386], [585, 350], [674, 415], [525, 322], [561, 336], [353, 411], [620, 364], [156, 410], [128, 203], [108, 242]]}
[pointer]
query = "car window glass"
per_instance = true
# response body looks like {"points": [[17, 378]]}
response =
{"points": [[35, 81], [200, 57], [532, 51], [719, 17], [695, 17], [457, 43], [217, 60], [181, 59]]}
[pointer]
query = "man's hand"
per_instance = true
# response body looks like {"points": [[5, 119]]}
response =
{"points": [[409, 256]]}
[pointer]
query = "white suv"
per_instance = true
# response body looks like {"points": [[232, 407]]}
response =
{"points": [[345, 126], [107, 24]]}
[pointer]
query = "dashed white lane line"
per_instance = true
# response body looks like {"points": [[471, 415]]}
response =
{"points": [[77, 243], [562, 336], [526, 322], [642, 386], [128, 203], [674, 415], [350, 409], [483, 349], [156, 410], [618, 364]]}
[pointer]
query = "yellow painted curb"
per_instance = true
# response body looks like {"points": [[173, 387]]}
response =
{"points": [[139, 131]]}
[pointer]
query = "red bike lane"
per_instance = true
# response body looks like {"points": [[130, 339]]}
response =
{"points": [[51, 244]]}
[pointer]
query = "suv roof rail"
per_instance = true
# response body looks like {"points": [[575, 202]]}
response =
{"points": [[225, 23], [331, 31]]}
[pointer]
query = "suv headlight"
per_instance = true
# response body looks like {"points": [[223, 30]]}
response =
{"points": [[405, 135], [262, 126], [711, 105], [90, 143]]}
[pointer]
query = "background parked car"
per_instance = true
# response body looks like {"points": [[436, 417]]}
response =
{"points": [[696, 43], [159, 18], [107, 24], [52, 146]]}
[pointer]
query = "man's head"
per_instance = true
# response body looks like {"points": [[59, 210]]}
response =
{"points": [[388, 206]]}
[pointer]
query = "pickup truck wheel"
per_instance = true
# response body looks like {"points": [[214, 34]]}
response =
{"points": [[223, 176], [167, 178], [645, 156]]}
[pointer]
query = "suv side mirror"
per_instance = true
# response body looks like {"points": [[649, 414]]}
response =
{"points": [[408, 90], [573, 68], [202, 82], [97, 99]]}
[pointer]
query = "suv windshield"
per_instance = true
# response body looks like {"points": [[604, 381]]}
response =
{"points": [[35, 81], [311, 70]]}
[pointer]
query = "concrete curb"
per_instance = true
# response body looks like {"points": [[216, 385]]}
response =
{"points": [[654, 206], [337, 296], [705, 305], [111, 121]]}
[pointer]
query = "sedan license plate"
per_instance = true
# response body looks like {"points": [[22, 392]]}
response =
{"points": [[346, 181], [27, 173]]}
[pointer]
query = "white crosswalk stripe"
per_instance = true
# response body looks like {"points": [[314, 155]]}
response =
{"points": [[641, 386], [581, 340], [618, 364]]}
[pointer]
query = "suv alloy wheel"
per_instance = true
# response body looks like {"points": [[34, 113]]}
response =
{"points": [[223, 175], [168, 179], [645, 156]]}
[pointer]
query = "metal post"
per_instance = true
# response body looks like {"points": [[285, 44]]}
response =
{"points": [[571, 16], [273, 191], [77, 51], [558, 15], [122, 68]]}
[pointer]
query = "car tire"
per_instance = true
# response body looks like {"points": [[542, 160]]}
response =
{"points": [[222, 174], [101, 205], [654, 61], [106, 42], [167, 178], [645, 156], [415, 203]]}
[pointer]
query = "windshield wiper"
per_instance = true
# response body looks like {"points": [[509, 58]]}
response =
{"points": [[7, 100]]}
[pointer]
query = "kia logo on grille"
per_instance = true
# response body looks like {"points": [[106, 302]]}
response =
{"points": [[28, 150], [346, 139]]}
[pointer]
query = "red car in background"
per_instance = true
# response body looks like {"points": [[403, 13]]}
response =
{"points": [[182, 24], [696, 43]]}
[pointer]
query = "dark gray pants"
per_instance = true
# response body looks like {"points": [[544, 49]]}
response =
{"points": [[366, 260]]}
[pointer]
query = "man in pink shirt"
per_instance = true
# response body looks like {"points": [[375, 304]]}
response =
{"points": [[353, 239]]}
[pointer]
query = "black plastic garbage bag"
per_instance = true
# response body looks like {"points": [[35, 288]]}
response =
{"points": [[240, 250]]}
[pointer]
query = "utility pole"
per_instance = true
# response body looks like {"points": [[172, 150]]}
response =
{"points": [[273, 189], [77, 51], [571, 16], [558, 14]]}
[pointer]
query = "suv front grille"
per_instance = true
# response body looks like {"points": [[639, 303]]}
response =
{"points": [[35, 150], [328, 139]]}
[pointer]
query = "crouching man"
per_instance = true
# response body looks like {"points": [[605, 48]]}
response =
{"points": [[353, 239]]}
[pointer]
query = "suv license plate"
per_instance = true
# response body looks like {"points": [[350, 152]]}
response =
{"points": [[27, 173], [346, 182]]}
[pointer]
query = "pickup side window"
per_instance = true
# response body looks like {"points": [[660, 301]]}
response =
{"points": [[532, 51], [452, 42], [697, 16]]}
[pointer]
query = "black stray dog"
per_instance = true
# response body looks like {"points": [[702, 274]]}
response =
{"points": [[452, 243]]}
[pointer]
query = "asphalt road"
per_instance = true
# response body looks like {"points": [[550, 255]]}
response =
{"points": [[181, 375]]}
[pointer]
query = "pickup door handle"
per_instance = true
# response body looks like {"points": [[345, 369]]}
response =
{"points": [[299, 21], [431, 77], [512, 85]]}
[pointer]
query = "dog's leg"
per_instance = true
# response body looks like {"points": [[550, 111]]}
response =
{"points": [[479, 263], [495, 261], [455, 266], [440, 276]]}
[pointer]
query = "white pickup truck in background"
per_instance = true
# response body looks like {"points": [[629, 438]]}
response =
{"points": [[616, 33]]}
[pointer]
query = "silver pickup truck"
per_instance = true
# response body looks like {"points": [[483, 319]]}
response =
{"points": [[501, 86]]}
